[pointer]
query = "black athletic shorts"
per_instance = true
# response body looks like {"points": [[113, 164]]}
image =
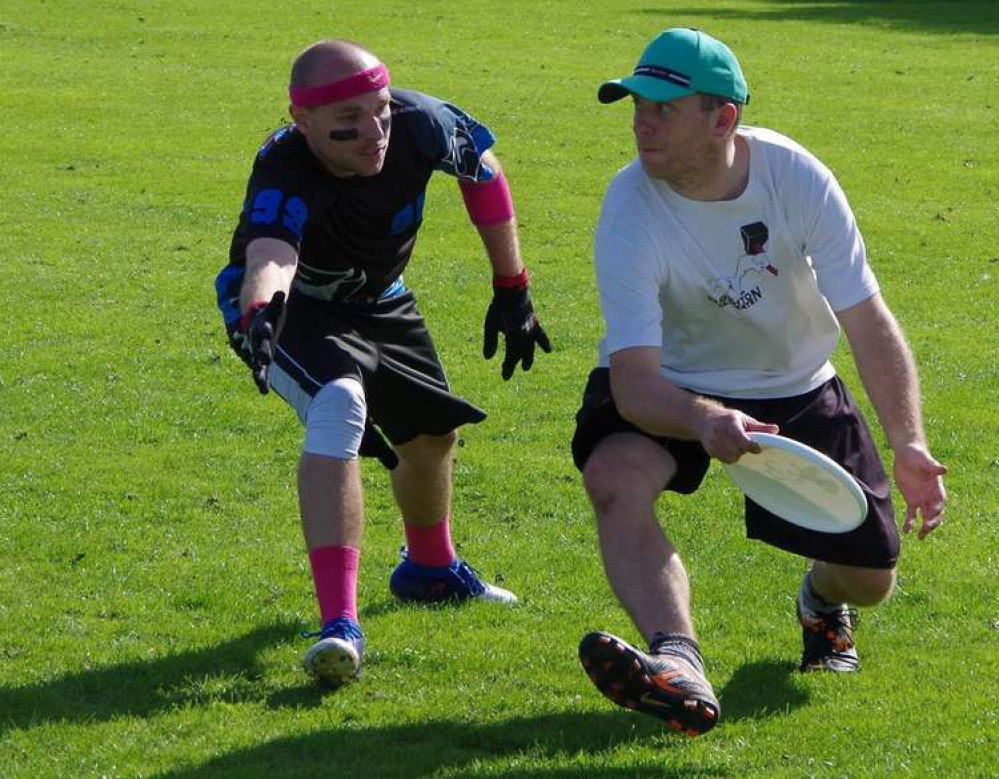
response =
{"points": [[826, 419], [383, 343]]}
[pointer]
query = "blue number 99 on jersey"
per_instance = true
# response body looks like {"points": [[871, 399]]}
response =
{"points": [[271, 204]]}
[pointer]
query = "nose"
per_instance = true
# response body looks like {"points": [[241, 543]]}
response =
{"points": [[642, 123], [376, 128]]}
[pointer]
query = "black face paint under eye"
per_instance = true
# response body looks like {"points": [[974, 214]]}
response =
{"points": [[353, 133]]}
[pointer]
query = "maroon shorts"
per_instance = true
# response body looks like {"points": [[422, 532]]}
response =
{"points": [[826, 419]]}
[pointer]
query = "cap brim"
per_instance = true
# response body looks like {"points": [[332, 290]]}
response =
{"points": [[654, 89]]}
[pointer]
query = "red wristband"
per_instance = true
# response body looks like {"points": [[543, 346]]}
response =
{"points": [[519, 281], [255, 306]]}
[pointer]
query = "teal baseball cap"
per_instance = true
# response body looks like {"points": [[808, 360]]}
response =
{"points": [[680, 62]]}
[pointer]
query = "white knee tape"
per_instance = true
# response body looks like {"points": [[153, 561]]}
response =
{"points": [[334, 421]]}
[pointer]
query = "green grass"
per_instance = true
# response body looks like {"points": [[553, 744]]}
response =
{"points": [[152, 575]]}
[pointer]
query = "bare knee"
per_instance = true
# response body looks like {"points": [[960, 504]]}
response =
{"points": [[874, 585], [626, 470], [864, 586], [600, 483]]}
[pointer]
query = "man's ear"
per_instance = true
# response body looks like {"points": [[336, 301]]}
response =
{"points": [[299, 115], [726, 119]]}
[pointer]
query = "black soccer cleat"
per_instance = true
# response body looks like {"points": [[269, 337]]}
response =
{"points": [[828, 640], [662, 685]]}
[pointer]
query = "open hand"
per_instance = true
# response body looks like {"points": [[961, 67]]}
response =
{"points": [[920, 480]]}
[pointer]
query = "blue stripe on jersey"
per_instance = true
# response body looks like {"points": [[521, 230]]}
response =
{"points": [[227, 286], [483, 139], [275, 138], [393, 290]]}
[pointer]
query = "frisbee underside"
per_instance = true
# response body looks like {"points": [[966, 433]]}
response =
{"points": [[801, 486]]}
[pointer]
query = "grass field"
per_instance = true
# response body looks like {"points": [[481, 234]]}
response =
{"points": [[152, 574]]}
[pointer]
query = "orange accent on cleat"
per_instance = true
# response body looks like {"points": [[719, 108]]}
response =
{"points": [[661, 685]]}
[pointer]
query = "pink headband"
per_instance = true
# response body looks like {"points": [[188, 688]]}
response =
{"points": [[370, 80]]}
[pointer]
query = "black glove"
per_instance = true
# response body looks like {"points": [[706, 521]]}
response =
{"points": [[373, 444], [254, 336], [512, 314]]}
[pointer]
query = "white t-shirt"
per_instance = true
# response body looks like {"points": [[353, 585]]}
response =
{"points": [[738, 294]]}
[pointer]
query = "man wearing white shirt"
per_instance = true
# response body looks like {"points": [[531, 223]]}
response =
{"points": [[728, 259]]}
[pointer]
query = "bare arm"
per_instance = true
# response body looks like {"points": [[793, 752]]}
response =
{"points": [[270, 267], [651, 402], [511, 311], [500, 238], [888, 371]]}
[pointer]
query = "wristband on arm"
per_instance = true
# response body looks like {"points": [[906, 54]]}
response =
{"points": [[255, 306], [521, 281], [487, 202]]}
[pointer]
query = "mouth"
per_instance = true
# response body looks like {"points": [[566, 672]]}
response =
{"points": [[374, 152]]}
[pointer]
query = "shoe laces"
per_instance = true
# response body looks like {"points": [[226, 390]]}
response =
{"points": [[465, 573], [837, 627], [470, 577], [340, 625]]}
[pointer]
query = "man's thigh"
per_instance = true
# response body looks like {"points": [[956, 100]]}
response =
{"points": [[598, 419]]}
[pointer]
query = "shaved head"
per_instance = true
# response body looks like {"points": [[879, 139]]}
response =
{"points": [[342, 105], [330, 60]]}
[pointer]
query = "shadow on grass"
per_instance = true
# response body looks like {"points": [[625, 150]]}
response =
{"points": [[227, 671], [761, 689], [939, 16], [458, 749]]}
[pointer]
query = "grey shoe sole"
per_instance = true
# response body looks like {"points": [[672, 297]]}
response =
{"points": [[333, 661]]}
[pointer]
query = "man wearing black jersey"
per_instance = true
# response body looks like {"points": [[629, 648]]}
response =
{"points": [[314, 302]]}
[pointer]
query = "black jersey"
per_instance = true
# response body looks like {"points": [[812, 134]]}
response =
{"points": [[354, 235]]}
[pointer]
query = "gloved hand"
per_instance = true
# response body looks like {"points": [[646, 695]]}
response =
{"points": [[254, 336], [512, 314], [373, 444]]}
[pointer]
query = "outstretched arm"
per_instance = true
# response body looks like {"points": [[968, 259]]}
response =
{"points": [[270, 267], [888, 371]]}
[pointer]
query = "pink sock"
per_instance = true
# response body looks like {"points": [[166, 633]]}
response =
{"points": [[430, 544], [334, 571]]}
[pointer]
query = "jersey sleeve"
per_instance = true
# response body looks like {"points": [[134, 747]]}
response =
{"points": [[453, 140], [833, 242], [629, 277], [277, 201]]}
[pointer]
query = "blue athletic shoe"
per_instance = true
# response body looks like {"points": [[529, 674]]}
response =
{"points": [[336, 657], [456, 582]]}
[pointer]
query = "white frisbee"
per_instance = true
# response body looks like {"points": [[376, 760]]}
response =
{"points": [[799, 485]]}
